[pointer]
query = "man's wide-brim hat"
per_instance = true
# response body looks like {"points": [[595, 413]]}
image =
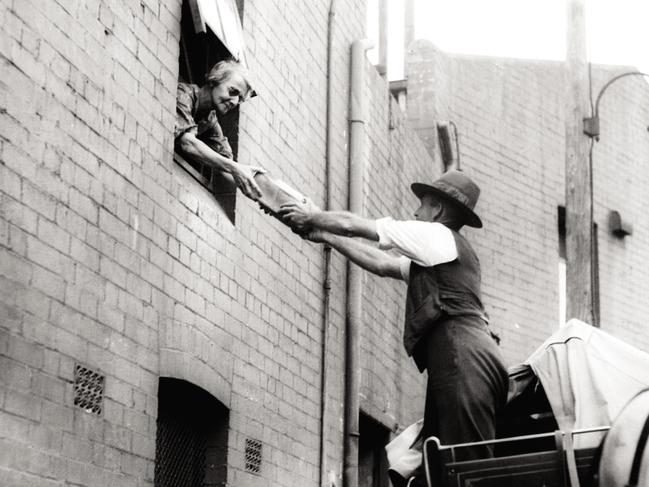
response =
{"points": [[457, 187]]}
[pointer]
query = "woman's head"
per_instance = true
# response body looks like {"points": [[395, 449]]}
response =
{"points": [[229, 85]]}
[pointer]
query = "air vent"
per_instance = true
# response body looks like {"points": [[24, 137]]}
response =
{"points": [[253, 455], [88, 389]]}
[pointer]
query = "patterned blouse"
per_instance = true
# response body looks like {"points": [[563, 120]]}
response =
{"points": [[194, 114]]}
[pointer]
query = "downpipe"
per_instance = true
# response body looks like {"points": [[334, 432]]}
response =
{"points": [[327, 480], [357, 159]]}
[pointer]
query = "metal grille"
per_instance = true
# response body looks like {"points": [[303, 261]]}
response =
{"points": [[180, 451], [88, 389], [253, 455], [192, 437]]}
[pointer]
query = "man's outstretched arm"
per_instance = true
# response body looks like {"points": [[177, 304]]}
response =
{"points": [[345, 223], [366, 256]]}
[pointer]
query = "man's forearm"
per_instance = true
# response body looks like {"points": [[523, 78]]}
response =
{"points": [[366, 256], [344, 223]]}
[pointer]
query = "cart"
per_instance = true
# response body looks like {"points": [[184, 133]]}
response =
{"points": [[561, 403]]}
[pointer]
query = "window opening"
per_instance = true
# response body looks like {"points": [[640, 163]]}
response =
{"points": [[372, 459], [211, 32], [192, 437]]}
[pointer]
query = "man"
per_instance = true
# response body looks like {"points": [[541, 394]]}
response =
{"points": [[446, 329], [197, 132]]}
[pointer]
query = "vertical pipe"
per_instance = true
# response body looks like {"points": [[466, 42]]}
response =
{"points": [[357, 148], [326, 285]]}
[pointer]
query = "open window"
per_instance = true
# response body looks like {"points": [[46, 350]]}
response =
{"points": [[211, 32]]}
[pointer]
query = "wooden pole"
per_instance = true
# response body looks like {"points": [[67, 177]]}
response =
{"points": [[579, 184]]}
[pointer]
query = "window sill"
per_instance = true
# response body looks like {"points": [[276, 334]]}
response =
{"points": [[220, 185]]}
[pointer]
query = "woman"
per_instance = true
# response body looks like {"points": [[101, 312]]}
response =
{"points": [[197, 133]]}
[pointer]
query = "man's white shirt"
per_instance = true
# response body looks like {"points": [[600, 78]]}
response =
{"points": [[425, 243]]}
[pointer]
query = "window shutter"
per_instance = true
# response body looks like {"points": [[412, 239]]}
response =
{"points": [[223, 20]]}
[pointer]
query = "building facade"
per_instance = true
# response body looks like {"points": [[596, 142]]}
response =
{"points": [[140, 299]]}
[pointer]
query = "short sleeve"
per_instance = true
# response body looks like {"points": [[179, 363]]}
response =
{"points": [[426, 243], [184, 107]]}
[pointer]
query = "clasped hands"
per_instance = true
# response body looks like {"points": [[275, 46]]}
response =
{"points": [[244, 178]]}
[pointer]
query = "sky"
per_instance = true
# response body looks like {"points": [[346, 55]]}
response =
{"points": [[617, 30]]}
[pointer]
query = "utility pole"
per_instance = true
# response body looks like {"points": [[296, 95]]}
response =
{"points": [[579, 181]]}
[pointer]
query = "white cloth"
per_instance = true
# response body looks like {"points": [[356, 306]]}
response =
{"points": [[588, 376], [401, 457], [425, 243]]}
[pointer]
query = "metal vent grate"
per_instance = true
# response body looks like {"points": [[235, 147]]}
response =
{"points": [[88, 389], [253, 455], [180, 450]]}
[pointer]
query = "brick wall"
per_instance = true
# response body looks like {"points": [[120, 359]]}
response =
{"points": [[510, 119], [84, 247], [114, 258]]}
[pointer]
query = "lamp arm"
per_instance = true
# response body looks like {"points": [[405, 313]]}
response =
{"points": [[591, 124], [610, 82]]}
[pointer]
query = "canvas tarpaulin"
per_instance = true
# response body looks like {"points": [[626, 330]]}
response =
{"points": [[588, 375]]}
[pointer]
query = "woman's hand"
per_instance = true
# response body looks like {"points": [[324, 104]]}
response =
{"points": [[244, 177]]}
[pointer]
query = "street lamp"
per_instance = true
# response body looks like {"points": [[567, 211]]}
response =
{"points": [[591, 124], [617, 225]]}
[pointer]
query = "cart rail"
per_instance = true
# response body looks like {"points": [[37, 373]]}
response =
{"points": [[562, 466]]}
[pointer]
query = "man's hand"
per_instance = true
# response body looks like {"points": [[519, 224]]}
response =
{"points": [[297, 215], [315, 236], [244, 177]]}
